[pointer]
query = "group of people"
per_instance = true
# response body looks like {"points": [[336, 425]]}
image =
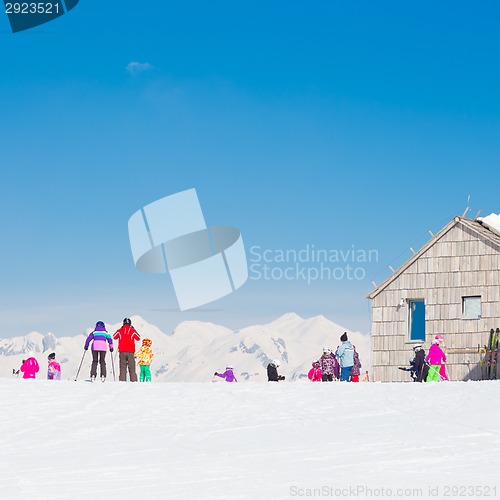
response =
{"points": [[430, 368], [344, 364], [100, 341], [30, 368]]}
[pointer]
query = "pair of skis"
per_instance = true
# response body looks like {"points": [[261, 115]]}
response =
{"points": [[490, 364]]}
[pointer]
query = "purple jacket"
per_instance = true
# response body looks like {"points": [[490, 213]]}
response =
{"points": [[329, 365], [228, 375], [356, 367], [101, 338], [436, 355]]}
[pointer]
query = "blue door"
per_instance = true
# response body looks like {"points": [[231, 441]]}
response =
{"points": [[416, 320]]}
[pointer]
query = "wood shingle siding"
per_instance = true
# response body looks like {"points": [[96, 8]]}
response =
{"points": [[462, 260]]}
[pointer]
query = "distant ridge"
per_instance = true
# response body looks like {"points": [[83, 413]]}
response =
{"points": [[196, 349]]}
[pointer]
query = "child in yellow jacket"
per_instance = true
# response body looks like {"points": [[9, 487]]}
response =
{"points": [[144, 358]]}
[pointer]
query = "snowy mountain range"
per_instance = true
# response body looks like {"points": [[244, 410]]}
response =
{"points": [[195, 349]]}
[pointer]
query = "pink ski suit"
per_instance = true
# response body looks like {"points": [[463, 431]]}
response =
{"points": [[436, 358], [30, 368]]}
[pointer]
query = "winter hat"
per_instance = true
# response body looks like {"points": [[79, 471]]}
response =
{"points": [[343, 338], [327, 349], [276, 362], [417, 347], [229, 367], [52, 355], [127, 321], [439, 338], [315, 364], [147, 342]]}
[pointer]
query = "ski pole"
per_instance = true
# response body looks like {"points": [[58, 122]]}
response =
{"points": [[81, 362], [113, 366]]}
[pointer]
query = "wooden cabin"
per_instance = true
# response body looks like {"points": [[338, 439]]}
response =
{"points": [[451, 286]]}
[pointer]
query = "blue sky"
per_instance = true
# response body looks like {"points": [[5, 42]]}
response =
{"points": [[333, 124]]}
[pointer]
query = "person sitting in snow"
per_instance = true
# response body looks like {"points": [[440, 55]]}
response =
{"points": [[30, 368], [314, 374], [272, 371], [144, 358], [228, 375], [54, 368]]}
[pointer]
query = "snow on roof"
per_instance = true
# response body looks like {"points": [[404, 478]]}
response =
{"points": [[492, 222]]}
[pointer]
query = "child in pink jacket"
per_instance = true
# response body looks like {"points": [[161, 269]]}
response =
{"points": [[30, 368], [442, 370], [54, 368], [315, 373], [436, 358]]}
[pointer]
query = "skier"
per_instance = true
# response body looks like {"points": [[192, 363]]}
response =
{"points": [[418, 367], [145, 357], [228, 375], [54, 368], [126, 336], [30, 368], [329, 365], [436, 358], [100, 339], [315, 374], [272, 371], [345, 353], [356, 367], [442, 370]]}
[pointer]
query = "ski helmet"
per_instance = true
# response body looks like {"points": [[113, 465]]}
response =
{"points": [[315, 364], [276, 362], [229, 367], [327, 349], [417, 347], [127, 321], [439, 338], [99, 323], [52, 355]]}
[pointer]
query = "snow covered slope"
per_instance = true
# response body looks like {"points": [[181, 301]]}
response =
{"points": [[195, 349], [77, 440]]}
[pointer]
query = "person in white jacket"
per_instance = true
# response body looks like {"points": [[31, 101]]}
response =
{"points": [[345, 353]]}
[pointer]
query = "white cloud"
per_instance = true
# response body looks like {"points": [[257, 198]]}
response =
{"points": [[136, 68]]}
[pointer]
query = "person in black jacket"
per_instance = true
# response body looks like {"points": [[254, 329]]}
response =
{"points": [[418, 367], [272, 372]]}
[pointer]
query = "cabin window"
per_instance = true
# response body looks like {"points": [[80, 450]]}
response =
{"points": [[471, 307], [416, 319]]}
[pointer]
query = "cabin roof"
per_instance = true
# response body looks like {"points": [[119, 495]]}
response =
{"points": [[472, 225]]}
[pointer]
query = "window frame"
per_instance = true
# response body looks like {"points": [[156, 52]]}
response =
{"points": [[464, 300], [410, 302]]}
